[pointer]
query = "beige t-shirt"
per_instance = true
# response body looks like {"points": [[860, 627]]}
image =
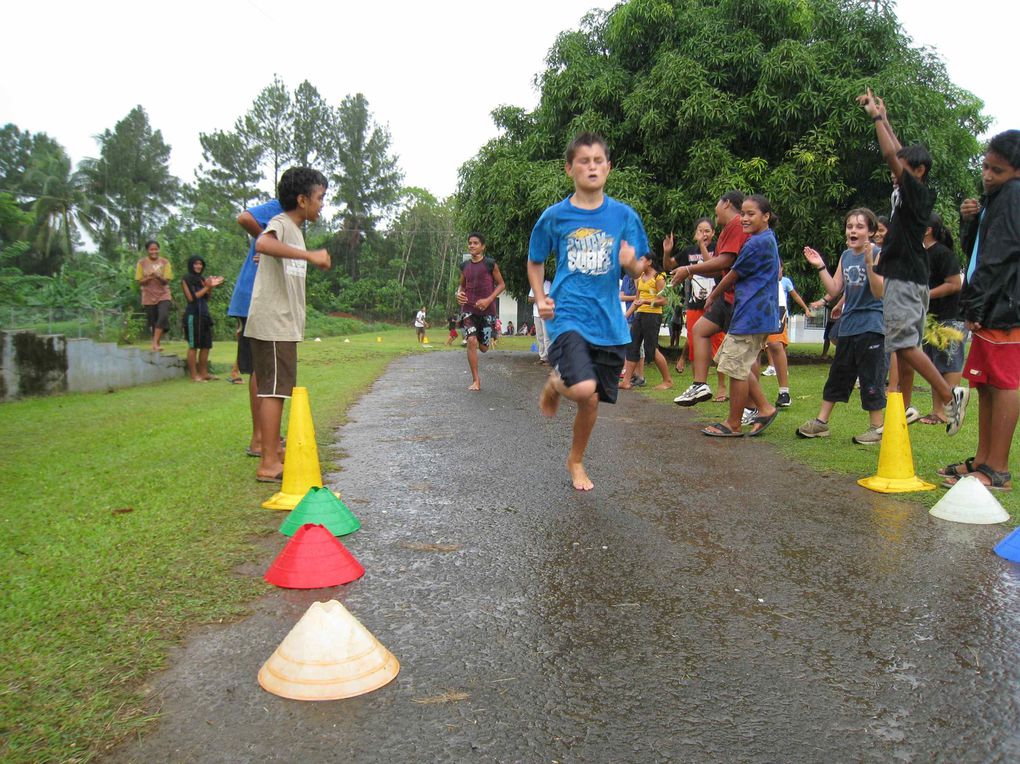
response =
{"points": [[277, 309], [157, 290]]}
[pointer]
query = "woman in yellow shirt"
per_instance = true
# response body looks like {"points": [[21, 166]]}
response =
{"points": [[645, 328]]}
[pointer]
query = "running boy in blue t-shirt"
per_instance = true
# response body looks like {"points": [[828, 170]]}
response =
{"points": [[592, 236]]}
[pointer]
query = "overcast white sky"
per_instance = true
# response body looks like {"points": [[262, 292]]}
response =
{"points": [[432, 72]]}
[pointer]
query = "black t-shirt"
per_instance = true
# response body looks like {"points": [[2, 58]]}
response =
{"points": [[903, 253], [943, 264]]}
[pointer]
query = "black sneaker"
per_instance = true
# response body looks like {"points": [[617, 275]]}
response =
{"points": [[783, 401]]}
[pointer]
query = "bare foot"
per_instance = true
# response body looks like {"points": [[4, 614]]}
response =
{"points": [[625, 386], [269, 472], [199, 379], [475, 386], [549, 400], [664, 385], [579, 477]]}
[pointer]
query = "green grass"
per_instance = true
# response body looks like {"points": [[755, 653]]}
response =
{"points": [[930, 445], [125, 518]]}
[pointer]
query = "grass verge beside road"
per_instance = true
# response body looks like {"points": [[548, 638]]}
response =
{"points": [[930, 445], [125, 518]]}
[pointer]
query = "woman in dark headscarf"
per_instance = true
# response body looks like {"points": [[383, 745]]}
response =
{"points": [[197, 319]]}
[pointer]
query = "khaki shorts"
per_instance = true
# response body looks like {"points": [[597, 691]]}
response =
{"points": [[275, 367], [738, 353]]}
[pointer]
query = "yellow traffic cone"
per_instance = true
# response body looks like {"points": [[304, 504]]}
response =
{"points": [[895, 459], [425, 339], [301, 465], [378, 339]]}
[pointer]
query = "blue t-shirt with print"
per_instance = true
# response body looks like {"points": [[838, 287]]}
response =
{"points": [[586, 243], [240, 299], [756, 299]]}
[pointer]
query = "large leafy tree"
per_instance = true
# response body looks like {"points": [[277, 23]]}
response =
{"points": [[366, 180], [228, 178], [268, 125], [131, 181], [312, 137], [37, 171], [699, 96]]}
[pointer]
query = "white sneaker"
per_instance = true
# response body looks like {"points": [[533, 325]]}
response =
{"points": [[770, 371], [956, 409], [912, 414], [749, 416], [693, 395]]}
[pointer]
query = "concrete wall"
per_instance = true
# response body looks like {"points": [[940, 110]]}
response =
{"points": [[33, 364]]}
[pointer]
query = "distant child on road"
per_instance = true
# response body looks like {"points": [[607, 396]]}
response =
{"points": [[480, 284], [592, 237]]}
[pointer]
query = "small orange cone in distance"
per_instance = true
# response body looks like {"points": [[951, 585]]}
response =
{"points": [[895, 459], [314, 558], [328, 655], [301, 467]]}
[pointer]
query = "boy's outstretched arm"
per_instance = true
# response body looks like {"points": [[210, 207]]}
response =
{"points": [[536, 277], [268, 244], [887, 140], [629, 260], [248, 222], [833, 286], [725, 283]]}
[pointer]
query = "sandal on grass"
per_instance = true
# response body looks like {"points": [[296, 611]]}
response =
{"points": [[997, 481], [955, 471], [721, 431], [933, 418]]}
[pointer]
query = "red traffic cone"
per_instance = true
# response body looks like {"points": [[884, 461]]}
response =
{"points": [[312, 559]]}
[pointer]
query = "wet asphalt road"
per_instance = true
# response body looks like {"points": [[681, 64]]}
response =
{"points": [[709, 601]]}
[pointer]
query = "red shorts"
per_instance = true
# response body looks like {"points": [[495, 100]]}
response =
{"points": [[453, 334], [994, 359], [717, 341]]}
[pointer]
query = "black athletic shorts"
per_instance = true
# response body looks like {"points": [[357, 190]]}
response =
{"points": [[244, 362], [577, 360], [720, 314], [158, 315], [859, 356]]}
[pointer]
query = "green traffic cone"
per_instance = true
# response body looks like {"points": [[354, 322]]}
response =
{"points": [[322, 507]]}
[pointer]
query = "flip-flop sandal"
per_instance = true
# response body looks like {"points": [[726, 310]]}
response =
{"points": [[997, 481], [235, 380], [932, 419], [953, 470], [724, 431], [252, 452], [763, 422], [720, 399], [269, 478]]}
